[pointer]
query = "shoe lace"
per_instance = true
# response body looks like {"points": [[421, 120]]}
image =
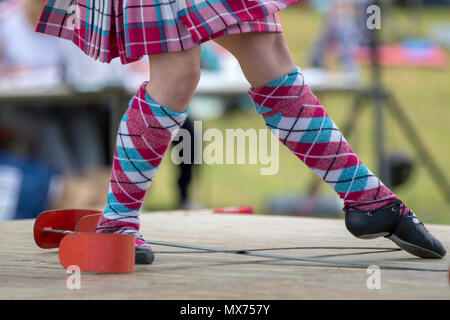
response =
{"points": [[404, 210], [357, 206], [409, 214]]}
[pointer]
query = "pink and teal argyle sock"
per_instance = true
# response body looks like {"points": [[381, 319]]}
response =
{"points": [[145, 133], [302, 124]]}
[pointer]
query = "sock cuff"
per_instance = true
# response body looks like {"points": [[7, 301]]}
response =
{"points": [[289, 79], [278, 94], [161, 111], [157, 109]]}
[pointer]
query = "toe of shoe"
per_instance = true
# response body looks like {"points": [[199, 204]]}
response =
{"points": [[144, 255], [415, 239]]}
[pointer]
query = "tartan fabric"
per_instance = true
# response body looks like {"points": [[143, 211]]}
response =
{"points": [[130, 29], [145, 133], [303, 125]]}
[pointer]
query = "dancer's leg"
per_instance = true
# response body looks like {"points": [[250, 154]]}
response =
{"points": [[263, 57], [174, 77], [154, 116], [304, 126]]}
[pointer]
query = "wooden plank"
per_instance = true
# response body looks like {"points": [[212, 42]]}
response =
{"points": [[28, 272]]}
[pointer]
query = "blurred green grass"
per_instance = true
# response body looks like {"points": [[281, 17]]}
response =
{"points": [[423, 93]]}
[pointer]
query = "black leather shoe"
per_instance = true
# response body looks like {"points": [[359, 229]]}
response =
{"points": [[390, 222], [143, 255]]}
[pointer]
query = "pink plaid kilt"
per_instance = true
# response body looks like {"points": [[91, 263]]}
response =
{"points": [[130, 29]]}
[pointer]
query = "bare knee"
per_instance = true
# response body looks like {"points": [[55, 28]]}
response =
{"points": [[263, 56], [174, 78], [184, 79], [178, 87], [245, 45]]}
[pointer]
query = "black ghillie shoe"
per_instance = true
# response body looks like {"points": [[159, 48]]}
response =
{"points": [[392, 222], [143, 255]]}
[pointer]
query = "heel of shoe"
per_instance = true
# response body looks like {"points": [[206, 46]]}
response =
{"points": [[358, 225], [370, 225]]}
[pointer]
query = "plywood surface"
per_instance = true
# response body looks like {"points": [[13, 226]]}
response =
{"points": [[28, 272]]}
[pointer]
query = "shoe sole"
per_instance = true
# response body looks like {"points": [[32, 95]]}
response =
{"points": [[414, 250], [408, 247], [373, 235]]}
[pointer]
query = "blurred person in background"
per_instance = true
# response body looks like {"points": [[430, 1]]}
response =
{"points": [[66, 139], [20, 47], [340, 31], [26, 183], [40, 141]]}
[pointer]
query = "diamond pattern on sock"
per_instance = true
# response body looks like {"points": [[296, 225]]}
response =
{"points": [[144, 135], [289, 107]]}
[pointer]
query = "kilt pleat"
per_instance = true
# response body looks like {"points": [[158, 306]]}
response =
{"points": [[130, 29]]}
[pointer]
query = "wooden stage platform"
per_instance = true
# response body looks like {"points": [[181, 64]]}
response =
{"points": [[28, 272]]}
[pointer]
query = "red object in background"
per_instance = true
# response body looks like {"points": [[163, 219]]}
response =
{"points": [[403, 56], [236, 210]]}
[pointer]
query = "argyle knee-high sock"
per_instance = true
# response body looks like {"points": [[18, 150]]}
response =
{"points": [[145, 133], [306, 129]]}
